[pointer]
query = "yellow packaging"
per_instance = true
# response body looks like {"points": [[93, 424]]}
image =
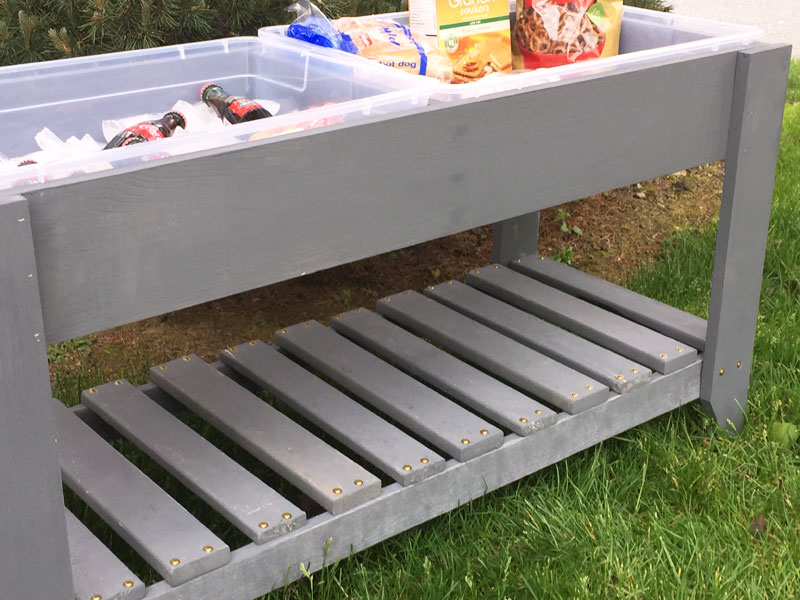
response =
{"points": [[475, 34]]}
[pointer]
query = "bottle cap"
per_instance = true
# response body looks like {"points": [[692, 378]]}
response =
{"points": [[205, 87], [178, 117]]}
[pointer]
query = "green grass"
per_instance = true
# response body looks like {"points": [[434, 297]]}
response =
{"points": [[671, 509]]}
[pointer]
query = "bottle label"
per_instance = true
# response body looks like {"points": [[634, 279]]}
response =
{"points": [[241, 106], [149, 131]]}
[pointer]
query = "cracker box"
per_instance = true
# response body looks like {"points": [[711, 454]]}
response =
{"points": [[475, 34]]}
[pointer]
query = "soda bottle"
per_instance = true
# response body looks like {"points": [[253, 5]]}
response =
{"points": [[148, 131], [234, 109]]}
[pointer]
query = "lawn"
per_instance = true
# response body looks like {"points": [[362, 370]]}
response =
{"points": [[675, 508]]}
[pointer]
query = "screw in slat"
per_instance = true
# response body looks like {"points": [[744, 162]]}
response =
{"points": [[162, 367], [620, 377], [538, 411], [406, 293], [406, 467], [662, 355], [679, 349], [634, 370], [739, 365], [286, 516], [465, 441], [722, 371], [118, 382], [358, 482], [495, 266], [263, 525], [589, 386], [358, 310], [424, 460], [574, 395], [128, 584], [252, 342], [96, 597], [477, 271], [175, 562], [185, 358], [541, 257], [337, 491], [338, 317], [523, 420], [284, 331], [306, 324], [450, 282], [93, 390], [484, 432], [430, 287], [388, 299], [517, 260], [21, 220], [208, 549]]}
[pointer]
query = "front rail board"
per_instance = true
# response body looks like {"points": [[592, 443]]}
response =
{"points": [[334, 481], [419, 408], [616, 333], [484, 394], [238, 495], [540, 375], [175, 544], [617, 372], [379, 442]]}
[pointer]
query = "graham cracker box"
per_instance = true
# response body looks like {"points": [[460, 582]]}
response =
{"points": [[475, 34]]}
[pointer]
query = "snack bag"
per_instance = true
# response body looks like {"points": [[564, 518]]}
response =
{"points": [[549, 33], [312, 26], [394, 45]]}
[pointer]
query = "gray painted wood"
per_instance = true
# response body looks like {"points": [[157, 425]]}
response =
{"points": [[515, 237], [238, 495], [298, 208], [656, 315], [743, 223], [617, 372], [527, 369], [381, 443], [598, 325], [311, 465], [32, 526], [484, 394], [257, 569], [143, 514], [417, 407], [96, 572]]}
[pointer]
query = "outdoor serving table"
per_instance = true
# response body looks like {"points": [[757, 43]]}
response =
{"points": [[540, 361]]}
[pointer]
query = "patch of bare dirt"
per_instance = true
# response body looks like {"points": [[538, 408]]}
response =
{"points": [[609, 235]]}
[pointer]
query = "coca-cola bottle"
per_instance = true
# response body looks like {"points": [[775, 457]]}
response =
{"points": [[234, 109], [148, 131]]}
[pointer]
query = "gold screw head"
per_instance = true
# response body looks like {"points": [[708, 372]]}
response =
{"points": [[208, 549], [430, 287], [634, 370], [450, 282], [538, 411], [484, 432], [283, 331], [620, 377], [406, 467], [358, 482], [96, 597], [388, 299], [679, 349], [306, 324], [263, 525], [722, 371], [128, 584], [517, 260], [252, 342], [338, 317], [477, 271], [663, 355], [496, 266], [286, 516], [118, 382], [739, 365], [185, 358], [406, 293], [93, 390], [424, 460], [574, 395], [523, 420], [337, 491], [175, 562], [465, 441], [162, 367], [589, 386]]}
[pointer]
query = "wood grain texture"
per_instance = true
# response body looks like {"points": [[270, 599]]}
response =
{"points": [[756, 120], [32, 525], [254, 570], [147, 240]]}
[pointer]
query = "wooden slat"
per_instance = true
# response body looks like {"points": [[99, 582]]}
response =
{"points": [[419, 408], [484, 394], [656, 315], [96, 572], [399, 508], [617, 372], [238, 495], [598, 325], [307, 462], [144, 515], [381, 443], [532, 371]]}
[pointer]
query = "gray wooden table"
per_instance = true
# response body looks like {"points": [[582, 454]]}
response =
{"points": [[108, 249]]}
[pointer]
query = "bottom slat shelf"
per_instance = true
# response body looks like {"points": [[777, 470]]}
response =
{"points": [[382, 388]]}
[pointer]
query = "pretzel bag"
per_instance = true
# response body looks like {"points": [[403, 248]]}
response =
{"points": [[549, 33]]}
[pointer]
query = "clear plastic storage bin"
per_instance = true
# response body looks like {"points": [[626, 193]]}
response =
{"points": [[646, 35], [73, 97]]}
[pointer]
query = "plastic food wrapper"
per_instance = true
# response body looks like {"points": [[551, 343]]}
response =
{"points": [[549, 33], [396, 46], [312, 26]]}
